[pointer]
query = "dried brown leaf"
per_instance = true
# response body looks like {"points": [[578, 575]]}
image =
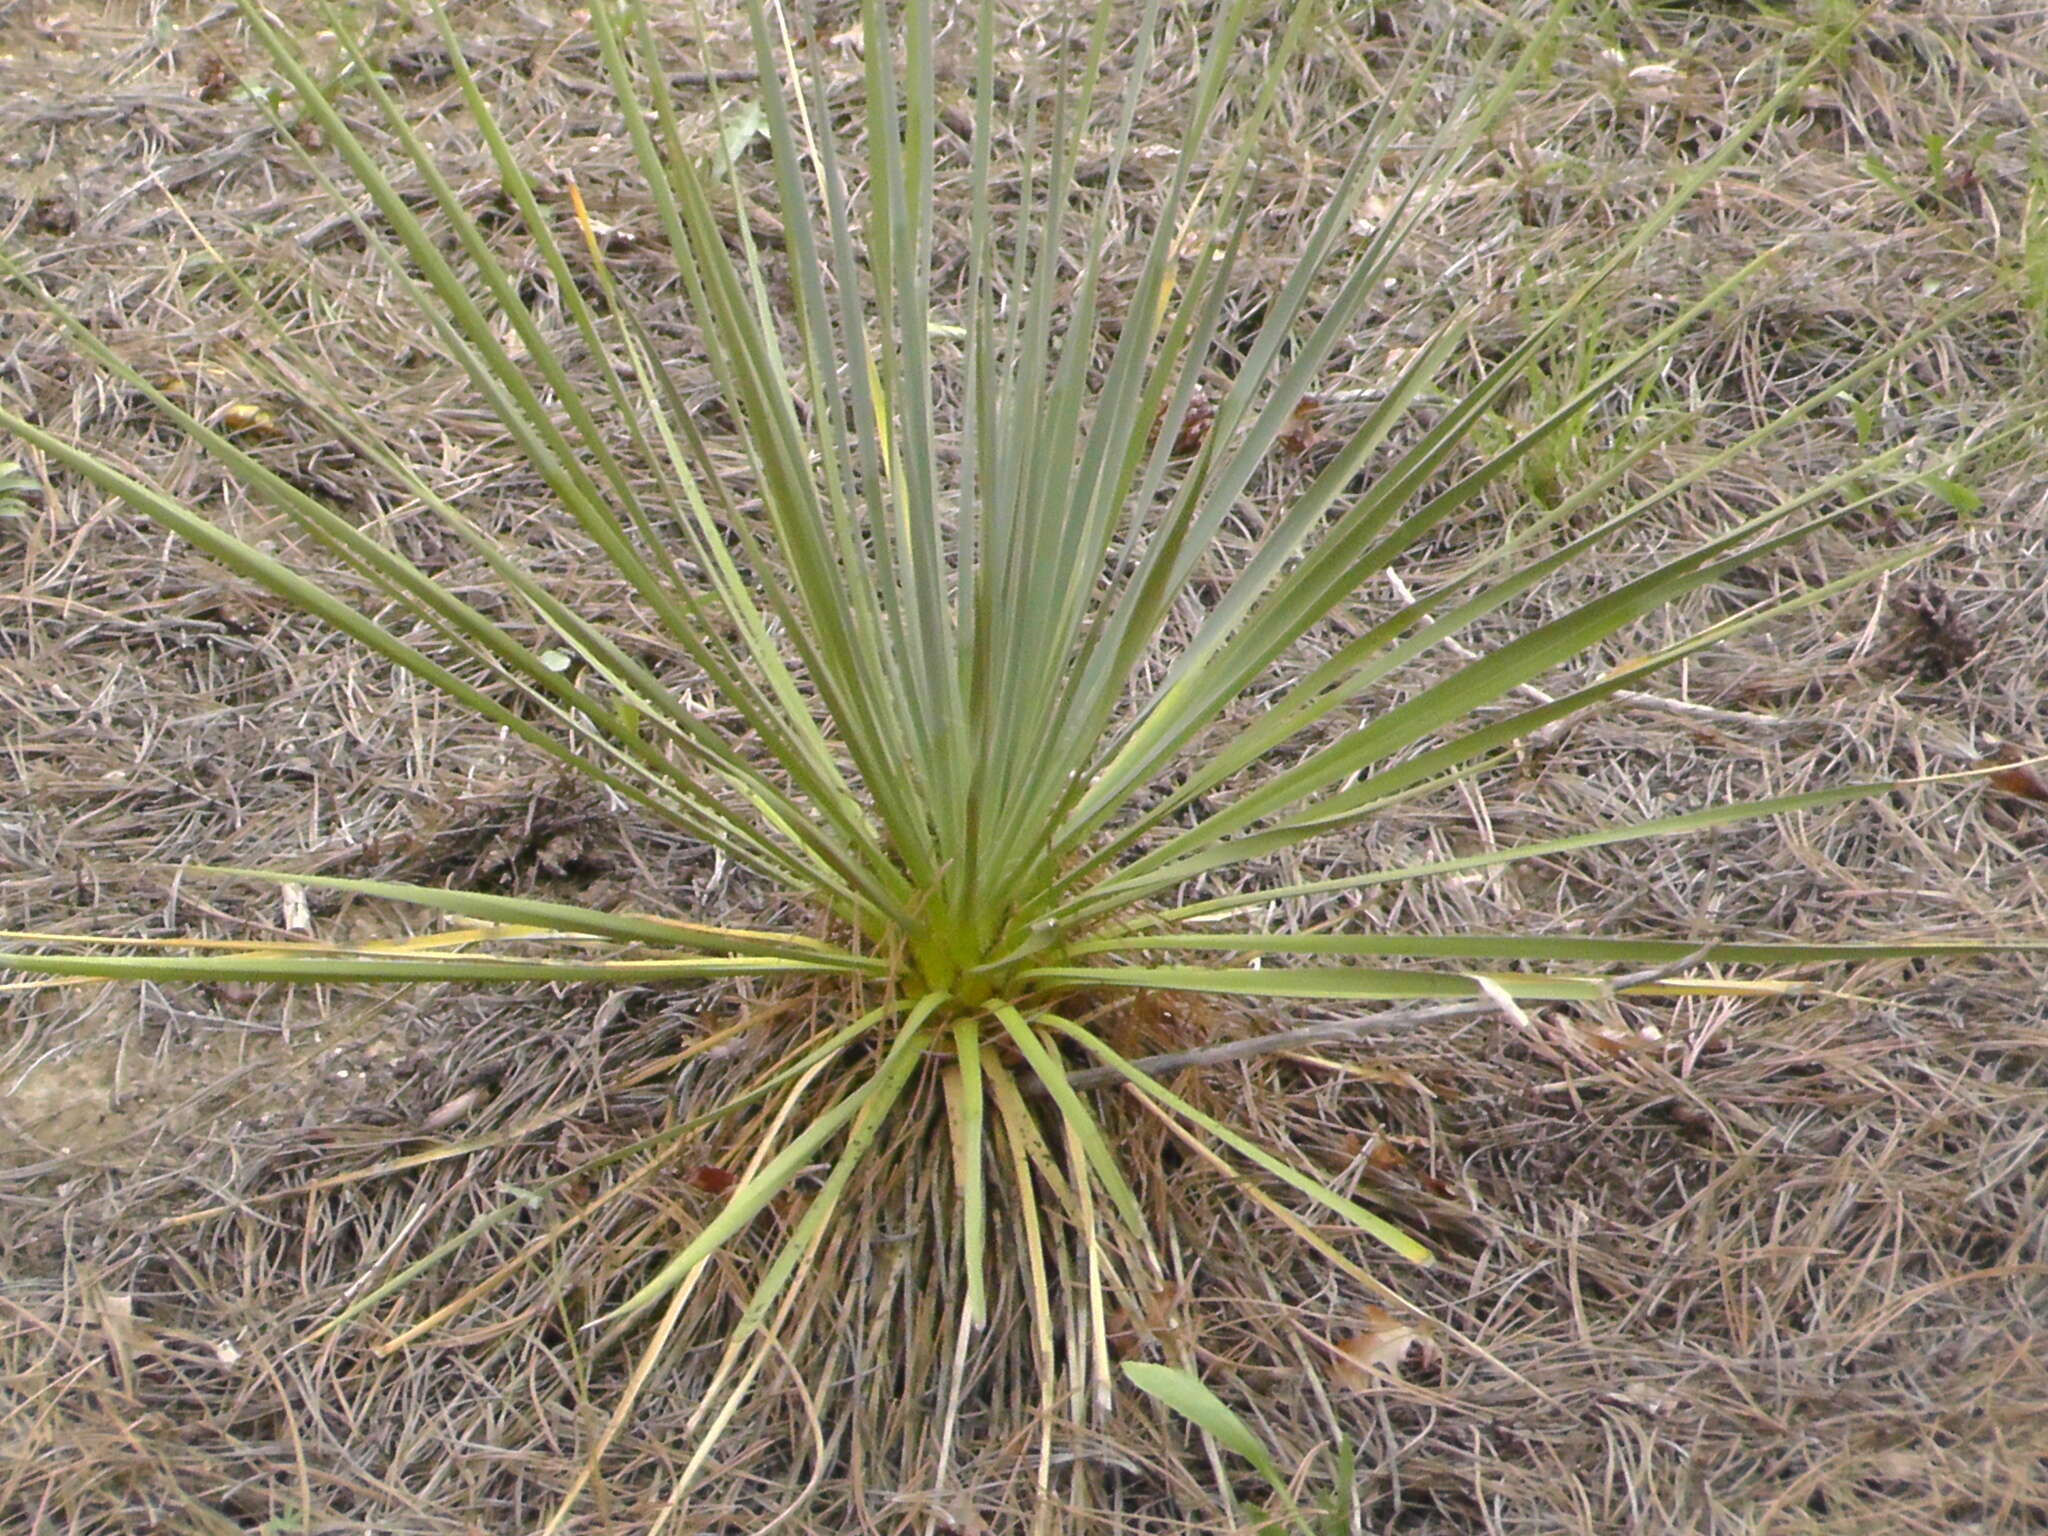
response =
{"points": [[246, 419], [1302, 431], [1381, 1153], [1387, 1343], [711, 1179], [2023, 780]]}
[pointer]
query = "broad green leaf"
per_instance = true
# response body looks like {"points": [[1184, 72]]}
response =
{"points": [[1189, 1396]]}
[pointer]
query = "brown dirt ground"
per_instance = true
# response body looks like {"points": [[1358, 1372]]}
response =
{"points": [[1744, 1266]]}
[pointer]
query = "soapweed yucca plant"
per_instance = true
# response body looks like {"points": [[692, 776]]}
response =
{"points": [[947, 722]]}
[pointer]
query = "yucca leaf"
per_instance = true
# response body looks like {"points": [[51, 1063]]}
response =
{"points": [[890, 1079], [1566, 948], [1677, 825], [751, 1196], [316, 963], [1209, 846], [1175, 711], [1404, 636], [1378, 1226], [1335, 983], [1074, 1113], [966, 1118], [566, 918]]}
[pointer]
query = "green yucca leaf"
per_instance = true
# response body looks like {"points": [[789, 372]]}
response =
{"points": [[566, 918], [1346, 983], [310, 964], [748, 1199], [1046, 1065], [966, 1118], [1679, 824], [1379, 1227], [1564, 947]]}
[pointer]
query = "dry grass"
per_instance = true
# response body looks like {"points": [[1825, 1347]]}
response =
{"points": [[1707, 1266]]}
